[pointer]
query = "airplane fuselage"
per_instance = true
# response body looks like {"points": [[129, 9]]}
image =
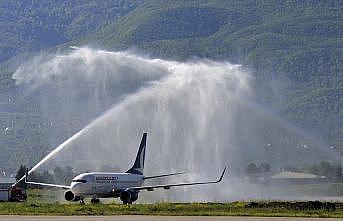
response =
{"points": [[102, 184]]}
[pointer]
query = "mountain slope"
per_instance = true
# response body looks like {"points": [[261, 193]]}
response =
{"points": [[298, 46], [28, 26], [294, 49]]}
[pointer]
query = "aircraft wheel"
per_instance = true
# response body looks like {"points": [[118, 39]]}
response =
{"points": [[95, 200], [82, 202]]}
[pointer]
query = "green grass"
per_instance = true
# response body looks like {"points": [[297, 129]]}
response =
{"points": [[44, 203], [170, 209]]}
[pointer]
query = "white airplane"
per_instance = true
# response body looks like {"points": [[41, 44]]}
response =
{"points": [[126, 185]]}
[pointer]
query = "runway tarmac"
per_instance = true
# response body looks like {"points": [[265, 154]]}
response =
{"points": [[158, 218]]}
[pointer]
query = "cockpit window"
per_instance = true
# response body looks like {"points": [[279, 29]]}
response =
{"points": [[80, 181]]}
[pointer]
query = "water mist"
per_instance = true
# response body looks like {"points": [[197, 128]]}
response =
{"points": [[195, 112]]}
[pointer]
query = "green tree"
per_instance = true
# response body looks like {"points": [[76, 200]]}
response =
{"points": [[63, 175], [68, 174], [326, 169], [251, 169], [58, 174], [20, 173], [264, 167], [338, 172]]}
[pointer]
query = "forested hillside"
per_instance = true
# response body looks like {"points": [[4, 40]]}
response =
{"points": [[28, 26], [293, 48]]}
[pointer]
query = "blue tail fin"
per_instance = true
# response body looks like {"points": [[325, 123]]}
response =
{"points": [[138, 166]]}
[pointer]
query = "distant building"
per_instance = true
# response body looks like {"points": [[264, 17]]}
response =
{"points": [[5, 188], [6, 182], [288, 177]]}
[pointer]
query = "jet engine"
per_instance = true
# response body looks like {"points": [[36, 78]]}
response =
{"points": [[128, 196], [70, 196]]}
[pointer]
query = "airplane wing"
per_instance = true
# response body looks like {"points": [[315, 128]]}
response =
{"points": [[49, 184], [163, 175], [167, 186]]}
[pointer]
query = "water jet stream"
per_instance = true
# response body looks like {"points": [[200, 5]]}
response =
{"points": [[199, 115]]}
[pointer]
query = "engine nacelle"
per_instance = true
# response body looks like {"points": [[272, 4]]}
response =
{"points": [[70, 196], [128, 196]]}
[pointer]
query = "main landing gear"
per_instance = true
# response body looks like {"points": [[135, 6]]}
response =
{"points": [[95, 200], [127, 202], [82, 201]]}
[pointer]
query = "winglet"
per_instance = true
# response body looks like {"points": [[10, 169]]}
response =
{"points": [[221, 177]]}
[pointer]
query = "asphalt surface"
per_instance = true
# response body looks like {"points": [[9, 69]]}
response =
{"points": [[158, 218]]}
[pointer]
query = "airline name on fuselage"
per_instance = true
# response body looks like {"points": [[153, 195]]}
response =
{"points": [[106, 178]]}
